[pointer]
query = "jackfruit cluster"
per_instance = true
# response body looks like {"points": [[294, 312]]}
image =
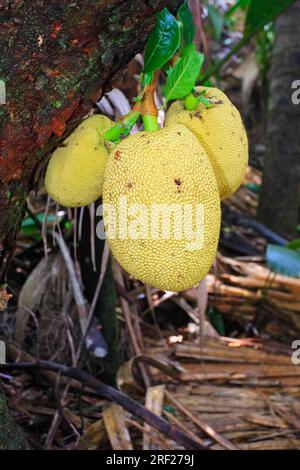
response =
{"points": [[161, 190]]}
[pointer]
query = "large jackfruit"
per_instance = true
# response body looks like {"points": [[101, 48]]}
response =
{"points": [[162, 208], [221, 132], [75, 172]]}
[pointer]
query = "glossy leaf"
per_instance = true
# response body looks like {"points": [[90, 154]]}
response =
{"points": [[163, 41], [182, 78], [283, 260], [261, 12], [186, 18], [147, 78]]}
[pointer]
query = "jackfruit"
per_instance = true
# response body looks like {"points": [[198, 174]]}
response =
{"points": [[221, 132], [75, 172], [161, 208]]}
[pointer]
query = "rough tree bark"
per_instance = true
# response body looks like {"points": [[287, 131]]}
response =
{"points": [[279, 199], [11, 436], [56, 59]]}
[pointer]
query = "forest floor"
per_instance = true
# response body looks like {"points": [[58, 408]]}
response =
{"points": [[214, 361]]}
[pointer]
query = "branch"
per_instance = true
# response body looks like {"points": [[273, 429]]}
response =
{"points": [[112, 394]]}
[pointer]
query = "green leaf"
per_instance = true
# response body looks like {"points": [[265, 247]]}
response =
{"points": [[262, 12], [294, 244], [186, 18], [166, 68], [283, 260], [217, 21], [204, 101], [255, 187], [217, 320], [242, 4], [163, 41], [182, 78], [259, 13], [146, 78], [29, 222]]}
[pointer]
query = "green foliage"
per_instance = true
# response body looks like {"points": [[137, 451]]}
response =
{"points": [[283, 260], [204, 101], [182, 78], [265, 41], [217, 21], [217, 321], [240, 4], [146, 78], [294, 244], [186, 18], [261, 12], [163, 42]]}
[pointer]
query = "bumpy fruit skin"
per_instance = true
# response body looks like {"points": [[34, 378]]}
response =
{"points": [[161, 168], [221, 132], [75, 172]]}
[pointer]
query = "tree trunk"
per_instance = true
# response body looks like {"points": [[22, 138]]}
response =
{"points": [[57, 57], [279, 199]]}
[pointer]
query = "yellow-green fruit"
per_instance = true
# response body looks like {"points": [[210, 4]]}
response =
{"points": [[162, 208], [221, 132], [75, 172]]}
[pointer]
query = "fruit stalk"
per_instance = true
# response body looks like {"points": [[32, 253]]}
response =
{"points": [[150, 123], [190, 102], [147, 107], [123, 127]]}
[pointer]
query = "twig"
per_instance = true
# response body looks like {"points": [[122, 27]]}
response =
{"points": [[94, 337], [44, 227], [202, 425], [159, 442], [202, 297], [75, 235], [127, 315], [104, 262], [92, 234], [106, 391], [80, 222], [180, 425]]}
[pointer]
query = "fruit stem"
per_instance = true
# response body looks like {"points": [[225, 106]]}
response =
{"points": [[123, 127], [147, 107], [150, 123], [190, 102]]}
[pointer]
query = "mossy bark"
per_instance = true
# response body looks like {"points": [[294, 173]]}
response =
{"points": [[279, 198], [56, 59], [11, 436]]}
